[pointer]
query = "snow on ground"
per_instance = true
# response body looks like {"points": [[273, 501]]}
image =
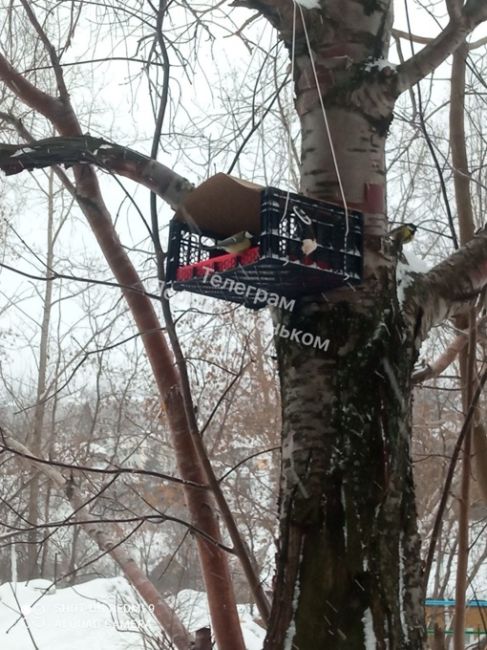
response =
{"points": [[192, 608], [95, 615], [102, 614]]}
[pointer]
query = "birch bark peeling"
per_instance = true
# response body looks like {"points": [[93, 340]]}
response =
{"points": [[449, 287]]}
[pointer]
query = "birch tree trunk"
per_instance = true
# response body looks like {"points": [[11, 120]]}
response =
{"points": [[35, 437], [348, 558]]}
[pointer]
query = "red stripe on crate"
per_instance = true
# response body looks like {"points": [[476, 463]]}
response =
{"points": [[221, 263], [201, 269], [184, 273], [308, 260], [249, 256], [226, 262]]}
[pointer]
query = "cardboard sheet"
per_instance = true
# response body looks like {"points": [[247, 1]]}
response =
{"points": [[223, 205]]}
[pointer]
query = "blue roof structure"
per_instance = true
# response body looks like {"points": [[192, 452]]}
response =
{"points": [[438, 602]]}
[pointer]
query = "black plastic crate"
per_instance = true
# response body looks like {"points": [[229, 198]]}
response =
{"points": [[276, 264]]}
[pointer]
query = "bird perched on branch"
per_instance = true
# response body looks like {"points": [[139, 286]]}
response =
{"points": [[403, 234], [237, 243]]}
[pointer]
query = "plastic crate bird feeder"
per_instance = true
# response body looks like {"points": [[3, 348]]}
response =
{"points": [[275, 263]]}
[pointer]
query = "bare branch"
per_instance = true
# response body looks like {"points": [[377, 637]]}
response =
{"points": [[21, 451], [430, 57], [454, 8], [448, 356], [412, 38], [63, 91], [164, 614]]}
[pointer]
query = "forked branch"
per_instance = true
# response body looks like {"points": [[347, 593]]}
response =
{"points": [[434, 53]]}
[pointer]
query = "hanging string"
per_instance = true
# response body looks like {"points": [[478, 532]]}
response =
{"points": [[325, 119], [289, 131]]}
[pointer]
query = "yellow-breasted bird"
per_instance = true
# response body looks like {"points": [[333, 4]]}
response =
{"points": [[237, 243], [403, 234]]}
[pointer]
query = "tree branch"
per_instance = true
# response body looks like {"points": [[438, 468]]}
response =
{"points": [[432, 55], [447, 357], [170, 186], [448, 288], [63, 91], [424, 40], [163, 613], [28, 93], [454, 8], [213, 561]]}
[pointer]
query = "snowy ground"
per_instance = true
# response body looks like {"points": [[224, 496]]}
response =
{"points": [[102, 614]]}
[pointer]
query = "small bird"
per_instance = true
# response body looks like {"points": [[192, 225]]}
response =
{"points": [[403, 234], [237, 243]]}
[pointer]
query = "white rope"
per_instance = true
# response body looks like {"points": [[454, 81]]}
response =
{"points": [[289, 131], [325, 119]]}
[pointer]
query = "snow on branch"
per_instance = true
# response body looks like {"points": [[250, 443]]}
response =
{"points": [[449, 287], [88, 150]]}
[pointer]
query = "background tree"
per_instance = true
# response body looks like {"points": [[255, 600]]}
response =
{"points": [[347, 507]]}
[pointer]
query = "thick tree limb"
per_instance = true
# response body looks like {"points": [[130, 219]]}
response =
{"points": [[166, 616], [459, 155], [27, 92], [15, 158], [476, 10], [433, 54], [446, 358], [448, 288]]}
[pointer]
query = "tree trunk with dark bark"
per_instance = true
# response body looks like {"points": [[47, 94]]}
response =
{"points": [[348, 564], [348, 560], [346, 471]]}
